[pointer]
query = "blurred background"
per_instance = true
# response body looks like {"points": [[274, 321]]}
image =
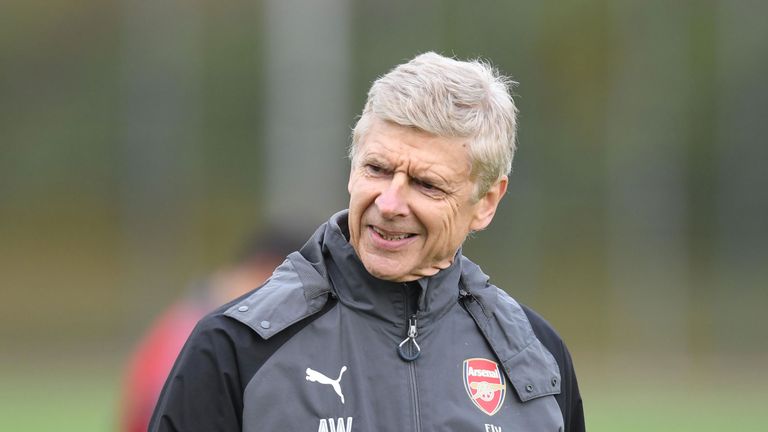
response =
{"points": [[141, 141]]}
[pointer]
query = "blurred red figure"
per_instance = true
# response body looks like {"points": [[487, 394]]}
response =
{"points": [[156, 352]]}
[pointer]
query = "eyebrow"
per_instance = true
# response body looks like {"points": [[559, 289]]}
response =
{"points": [[375, 158]]}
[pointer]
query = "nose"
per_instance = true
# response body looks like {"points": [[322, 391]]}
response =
{"points": [[392, 201]]}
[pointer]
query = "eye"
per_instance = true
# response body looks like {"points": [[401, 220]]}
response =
{"points": [[428, 188], [425, 185], [373, 169]]}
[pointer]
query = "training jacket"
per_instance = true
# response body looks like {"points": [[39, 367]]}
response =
{"points": [[324, 346]]}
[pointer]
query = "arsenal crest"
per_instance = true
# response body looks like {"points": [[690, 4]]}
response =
{"points": [[485, 384]]}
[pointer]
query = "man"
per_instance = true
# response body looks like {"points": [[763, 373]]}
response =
{"points": [[379, 323]]}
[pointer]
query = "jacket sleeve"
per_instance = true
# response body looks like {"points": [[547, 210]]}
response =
{"points": [[569, 398], [203, 391]]}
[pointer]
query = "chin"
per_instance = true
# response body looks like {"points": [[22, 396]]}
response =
{"points": [[386, 274]]}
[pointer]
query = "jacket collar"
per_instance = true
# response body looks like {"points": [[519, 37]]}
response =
{"points": [[429, 298]]}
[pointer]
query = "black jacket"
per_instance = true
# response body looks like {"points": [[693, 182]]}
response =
{"points": [[324, 346]]}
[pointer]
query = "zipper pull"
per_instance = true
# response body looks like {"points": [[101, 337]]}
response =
{"points": [[413, 353]]}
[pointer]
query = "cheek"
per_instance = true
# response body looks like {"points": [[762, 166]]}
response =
{"points": [[452, 224], [355, 190], [352, 182], [359, 199], [440, 223], [451, 216]]}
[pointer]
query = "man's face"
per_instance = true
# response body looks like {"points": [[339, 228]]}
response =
{"points": [[411, 201]]}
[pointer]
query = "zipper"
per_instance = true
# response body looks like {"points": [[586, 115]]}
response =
{"points": [[409, 350], [415, 396]]}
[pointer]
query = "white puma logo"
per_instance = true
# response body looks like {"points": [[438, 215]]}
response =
{"points": [[315, 376]]}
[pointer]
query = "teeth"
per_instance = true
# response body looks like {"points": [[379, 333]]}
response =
{"points": [[390, 237]]}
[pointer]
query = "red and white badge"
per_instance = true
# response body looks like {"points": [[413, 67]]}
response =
{"points": [[485, 385]]}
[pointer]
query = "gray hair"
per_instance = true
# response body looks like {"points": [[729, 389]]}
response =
{"points": [[449, 98]]}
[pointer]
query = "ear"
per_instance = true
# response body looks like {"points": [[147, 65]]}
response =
{"points": [[485, 208]]}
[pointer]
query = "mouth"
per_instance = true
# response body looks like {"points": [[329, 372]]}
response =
{"points": [[391, 237]]}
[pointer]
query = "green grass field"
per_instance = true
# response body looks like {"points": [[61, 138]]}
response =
{"points": [[58, 399], [82, 398], [652, 408]]}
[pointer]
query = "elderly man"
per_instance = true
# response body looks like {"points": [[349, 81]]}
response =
{"points": [[379, 323]]}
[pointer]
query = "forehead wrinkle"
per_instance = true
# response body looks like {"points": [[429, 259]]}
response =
{"points": [[388, 151]]}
